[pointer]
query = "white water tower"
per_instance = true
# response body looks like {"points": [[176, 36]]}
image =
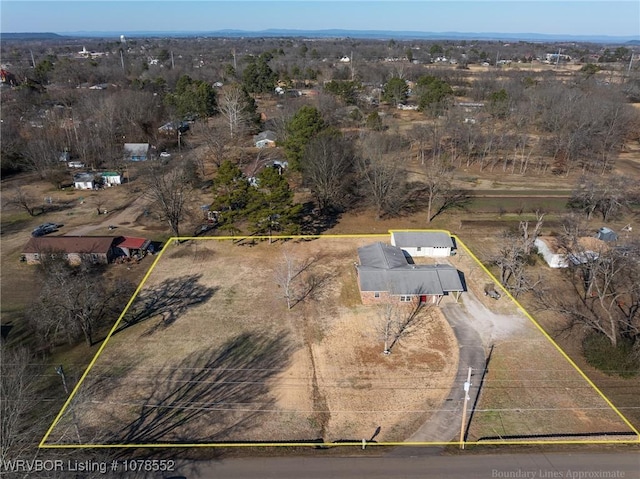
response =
{"points": [[123, 39]]}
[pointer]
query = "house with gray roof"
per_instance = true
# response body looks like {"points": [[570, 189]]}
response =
{"points": [[265, 139], [385, 275], [434, 244]]}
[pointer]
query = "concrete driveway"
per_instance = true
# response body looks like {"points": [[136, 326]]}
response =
{"points": [[476, 328]]}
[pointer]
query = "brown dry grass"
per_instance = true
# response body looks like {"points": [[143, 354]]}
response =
{"points": [[330, 380]]}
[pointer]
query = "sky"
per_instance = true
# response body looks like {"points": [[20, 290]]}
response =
{"points": [[615, 18]]}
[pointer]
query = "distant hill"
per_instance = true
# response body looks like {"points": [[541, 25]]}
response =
{"points": [[31, 36], [373, 34]]}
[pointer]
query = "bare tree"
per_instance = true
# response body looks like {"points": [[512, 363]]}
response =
{"points": [[512, 260], [288, 276], [400, 320], [606, 293], [382, 179], [171, 192], [74, 302], [606, 195], [17, 399], [436, 184], [232, 107], [24, 200], [328, 167], [529, 237]]}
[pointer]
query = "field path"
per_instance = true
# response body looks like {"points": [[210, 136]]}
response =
{"points": [[128, 215]]}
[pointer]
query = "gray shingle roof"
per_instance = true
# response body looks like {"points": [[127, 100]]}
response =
{"points": [[380, 255], [385, 268], [424, 239]]}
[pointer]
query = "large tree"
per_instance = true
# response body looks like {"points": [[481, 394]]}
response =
{"points": [[433, 94], [171, 193], [231, 194], [271, 207], [328, 168], [381, 178], [193, 97], [239, 109], [74, 301], [395, 91], [258, 77], [300, 129]]}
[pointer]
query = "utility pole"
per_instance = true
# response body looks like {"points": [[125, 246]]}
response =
{"points": [[353, 73], [33, 62], [466, 387], [122, 61], [60, 372], [173, 64]]}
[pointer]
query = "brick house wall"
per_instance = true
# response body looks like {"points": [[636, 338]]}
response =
{"points": [[369, 298]]}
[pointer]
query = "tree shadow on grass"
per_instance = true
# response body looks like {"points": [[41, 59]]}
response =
{"points": [[169, 300], [210, 393]]}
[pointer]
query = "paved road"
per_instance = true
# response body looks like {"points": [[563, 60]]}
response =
{"points": [[531, 466]]}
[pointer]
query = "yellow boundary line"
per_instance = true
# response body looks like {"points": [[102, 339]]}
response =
{"points": [[459, 243]]}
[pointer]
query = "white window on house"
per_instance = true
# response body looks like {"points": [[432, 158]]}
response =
{"points": [[419, 248], [376, 294], [405, 299], [94, 257], [36, 256]]}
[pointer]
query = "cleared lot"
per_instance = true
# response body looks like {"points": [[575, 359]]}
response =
{"points": [[211, 353]]}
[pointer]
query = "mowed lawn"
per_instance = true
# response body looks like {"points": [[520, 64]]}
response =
{"points": [[209, 352]]}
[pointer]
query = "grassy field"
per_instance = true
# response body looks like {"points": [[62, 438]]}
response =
{"points": [[212, 354], [209, 353]]}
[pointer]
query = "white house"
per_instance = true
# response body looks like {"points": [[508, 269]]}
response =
{"points": [[84, 181], [265, 139], [111, 178], [435, 244]]}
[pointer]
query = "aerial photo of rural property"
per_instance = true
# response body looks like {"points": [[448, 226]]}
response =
{"points": [[296, 245]]}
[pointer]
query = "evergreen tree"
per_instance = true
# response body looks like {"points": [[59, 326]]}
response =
{"points": [[271, 208], [302, 127], [193, 97], [432, 94], [258, 77], [395, 91]]}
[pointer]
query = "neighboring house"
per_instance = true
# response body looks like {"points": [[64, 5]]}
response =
{"points": [[75, 249], [111, 178], [434, 244], [136, 151], [558, 256], [174, 127], [265, 139], [131, 246], [606, 234], [385, 275], [84, 181]]}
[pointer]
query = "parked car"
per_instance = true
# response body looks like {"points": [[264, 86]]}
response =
{"points": [[45, 228], [165, 155]]}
